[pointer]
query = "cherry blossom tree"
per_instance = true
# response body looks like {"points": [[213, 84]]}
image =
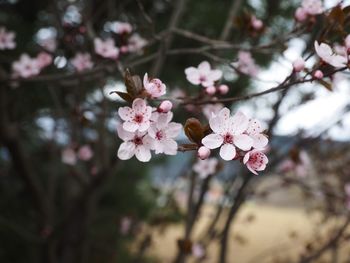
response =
{"points": [[97, 97]]}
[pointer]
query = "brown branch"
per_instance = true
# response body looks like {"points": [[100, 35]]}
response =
{"points": [[225, 34], [330, 244], [165, 45]]}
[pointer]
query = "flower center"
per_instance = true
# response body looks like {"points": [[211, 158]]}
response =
{"points": [[202, 78], [137, 140], [138, 118], [228, 138], [159, 135]]}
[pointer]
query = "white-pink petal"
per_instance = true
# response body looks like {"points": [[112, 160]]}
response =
{"points": [[212, 141], [126, 150], [227, 152], [243, 141]]}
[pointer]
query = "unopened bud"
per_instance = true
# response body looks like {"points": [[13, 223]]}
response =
{"points": [[300, 14], [203, 152], [318, 74], [165, 106], [223, 89], [299, 65], [210, 90]]}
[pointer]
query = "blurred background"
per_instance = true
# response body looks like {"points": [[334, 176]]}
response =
{"points": [[66, 197]]}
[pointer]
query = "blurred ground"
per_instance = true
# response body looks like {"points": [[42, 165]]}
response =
{"points": [[275, 229], [274, 235]]}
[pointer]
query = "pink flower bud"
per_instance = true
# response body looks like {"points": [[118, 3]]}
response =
{"points": [[223, 89], [299, 65], [318, 74], [257, 24], [210, 90], [203, 152], [124, 49], [165, 106], [300, 14]]}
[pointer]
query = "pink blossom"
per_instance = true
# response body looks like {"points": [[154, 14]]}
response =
{"points": [[136, 43], [203, 75], [228, 132], [106, 48], [301, 167], [326, 53], [137, 117], [154, 87], [347, 189], [162, 133], [312, 7], [210, 90], [25, 67], [255, 160], [207, 167], [125, 225], [85, 153], [135, 143], [7, 39], [298, 65], [43, 59], [121, 28], [165, 106], [212, 109], [257, 24], [82, 61], [255, 130], [223, 89], [300, 14], [203, 153], [318, 74], [68, 156], [246, 64], [198, 251]]}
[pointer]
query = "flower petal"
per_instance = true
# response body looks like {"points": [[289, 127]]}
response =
{"points": [[169, 146], [204, 67], [227, 152], [125, 113], [260, 141], [139, 105], [239, 123], [126, 150], [243, 141], [130, 126], [123, 134], [212, 141], [142, 153], [173, 130]]}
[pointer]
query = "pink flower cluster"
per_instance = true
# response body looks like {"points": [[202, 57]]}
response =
{"points": [[145, 128], [82, 61], [246, 64], [238, 136], [337, 57], [7, 39], [27, 67], [70, 155], [308, 9], [205, 76]]}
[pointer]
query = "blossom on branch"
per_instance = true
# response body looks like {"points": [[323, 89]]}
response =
{"points": [[207, 167], [228, 133], [326, 53], [7, 39], [162, 133], [137, 117], [135, 143], [106, 48], [154, 87], [25, 67], [82, 61], [255, 160], [246, 64], [203, 74]]}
